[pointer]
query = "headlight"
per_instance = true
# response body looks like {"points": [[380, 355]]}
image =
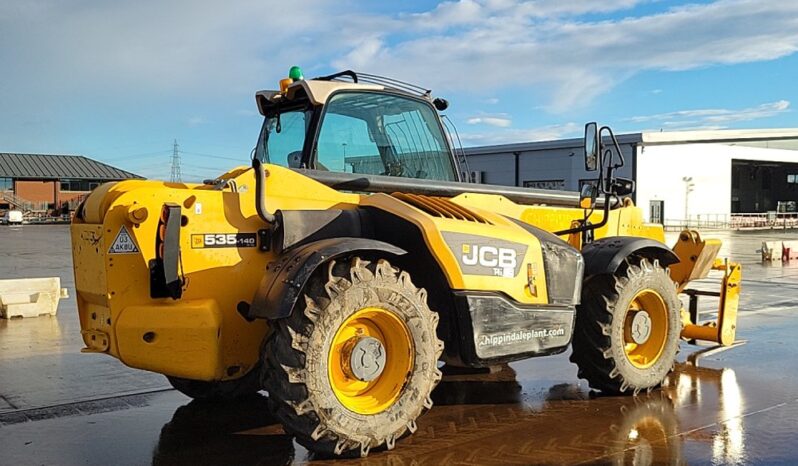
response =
{"points": [[564, 268]]}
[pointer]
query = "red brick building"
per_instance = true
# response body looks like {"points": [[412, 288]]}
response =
{"points": [[47, 184]]}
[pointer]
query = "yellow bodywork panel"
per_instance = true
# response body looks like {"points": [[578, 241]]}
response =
{"points": [[88, 257], [439, 233], [166, 340], [623, 221], [113, 288]]}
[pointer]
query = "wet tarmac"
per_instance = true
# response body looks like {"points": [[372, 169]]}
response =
{"points": [[738, 406]]}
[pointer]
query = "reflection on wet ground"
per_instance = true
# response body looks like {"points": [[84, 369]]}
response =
{"points": [[702, 415], [484, 421], [737, 406], [203, 433]]}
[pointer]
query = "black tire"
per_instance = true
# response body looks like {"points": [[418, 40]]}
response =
{"points": [[599, 340], [247, 385], [296, 358]]}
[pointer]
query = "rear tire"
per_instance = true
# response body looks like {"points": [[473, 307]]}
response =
{"points": [[318, 397], [616, 350], [225, 390]]}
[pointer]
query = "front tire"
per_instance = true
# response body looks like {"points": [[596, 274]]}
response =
{"points": [[354, 365], [627, 329]]}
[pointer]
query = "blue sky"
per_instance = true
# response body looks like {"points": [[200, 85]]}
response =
{"points": [[119, 81]]}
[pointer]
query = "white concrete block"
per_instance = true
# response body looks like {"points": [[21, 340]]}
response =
{"points": [[30, 297], [771, 251]]}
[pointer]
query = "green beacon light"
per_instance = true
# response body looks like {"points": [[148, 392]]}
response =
{"points": [[295, 73]]}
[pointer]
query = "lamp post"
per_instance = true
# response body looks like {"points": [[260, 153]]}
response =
{"points": [[688, 188], [343, 144]]}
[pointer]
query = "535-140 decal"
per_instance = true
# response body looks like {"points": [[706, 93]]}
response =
{"points": [[224, 240]]}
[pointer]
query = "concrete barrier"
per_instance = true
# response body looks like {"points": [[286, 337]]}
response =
{"points": [[789, 250], [771, 251], [30, 297]]}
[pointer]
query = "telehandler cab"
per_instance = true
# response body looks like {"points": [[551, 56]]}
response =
{"points": [[350, 261]]}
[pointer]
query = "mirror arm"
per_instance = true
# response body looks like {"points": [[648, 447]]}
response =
{"points": [[586, 227], [605, 185], [615, 143]]}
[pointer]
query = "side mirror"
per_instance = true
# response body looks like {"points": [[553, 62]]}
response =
{"points": [[591, 147], [440, 104], [623, 186], [295, 159], [588, 195]]}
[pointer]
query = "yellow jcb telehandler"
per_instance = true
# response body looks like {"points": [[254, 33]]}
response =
{"points": [[344, 267]]}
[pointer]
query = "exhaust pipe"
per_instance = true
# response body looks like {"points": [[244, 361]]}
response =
{"points": [[260, 191]]}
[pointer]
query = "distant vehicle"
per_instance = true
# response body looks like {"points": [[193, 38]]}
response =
{"points": [[13, 217]]}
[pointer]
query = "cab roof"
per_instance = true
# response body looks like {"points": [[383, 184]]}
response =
{"points": [[318, 90]]}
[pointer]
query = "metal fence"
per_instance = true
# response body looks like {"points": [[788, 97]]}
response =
{"points": [[35, 209], [739, 221]]}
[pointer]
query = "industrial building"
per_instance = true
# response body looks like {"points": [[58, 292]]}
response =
{"points": [[41, 184], [700, 177]]}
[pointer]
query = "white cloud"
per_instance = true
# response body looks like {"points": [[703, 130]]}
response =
{"points": [[498, 121], [94, 53], [362, 55], [476, 45], [448, 14], [64, 61], [468, 12], [202, 46], [177, 46], [713, 118], [195, 121]]}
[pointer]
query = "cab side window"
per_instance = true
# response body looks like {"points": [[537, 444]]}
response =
{"points": [[282, 138]]}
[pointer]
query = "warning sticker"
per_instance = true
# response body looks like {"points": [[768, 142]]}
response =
{"points": [[123, 244]]}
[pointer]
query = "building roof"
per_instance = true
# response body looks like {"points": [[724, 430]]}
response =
{"points": [[53, 167], [721, 135], [754, 137]]}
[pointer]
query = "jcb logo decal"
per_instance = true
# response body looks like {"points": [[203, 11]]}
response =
{"points": [[224, 240], [479, 255], [489, 256]]}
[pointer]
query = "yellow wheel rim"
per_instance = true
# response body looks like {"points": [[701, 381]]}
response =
{"points": [[377, 391], [645, 328], [649, 429]]}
